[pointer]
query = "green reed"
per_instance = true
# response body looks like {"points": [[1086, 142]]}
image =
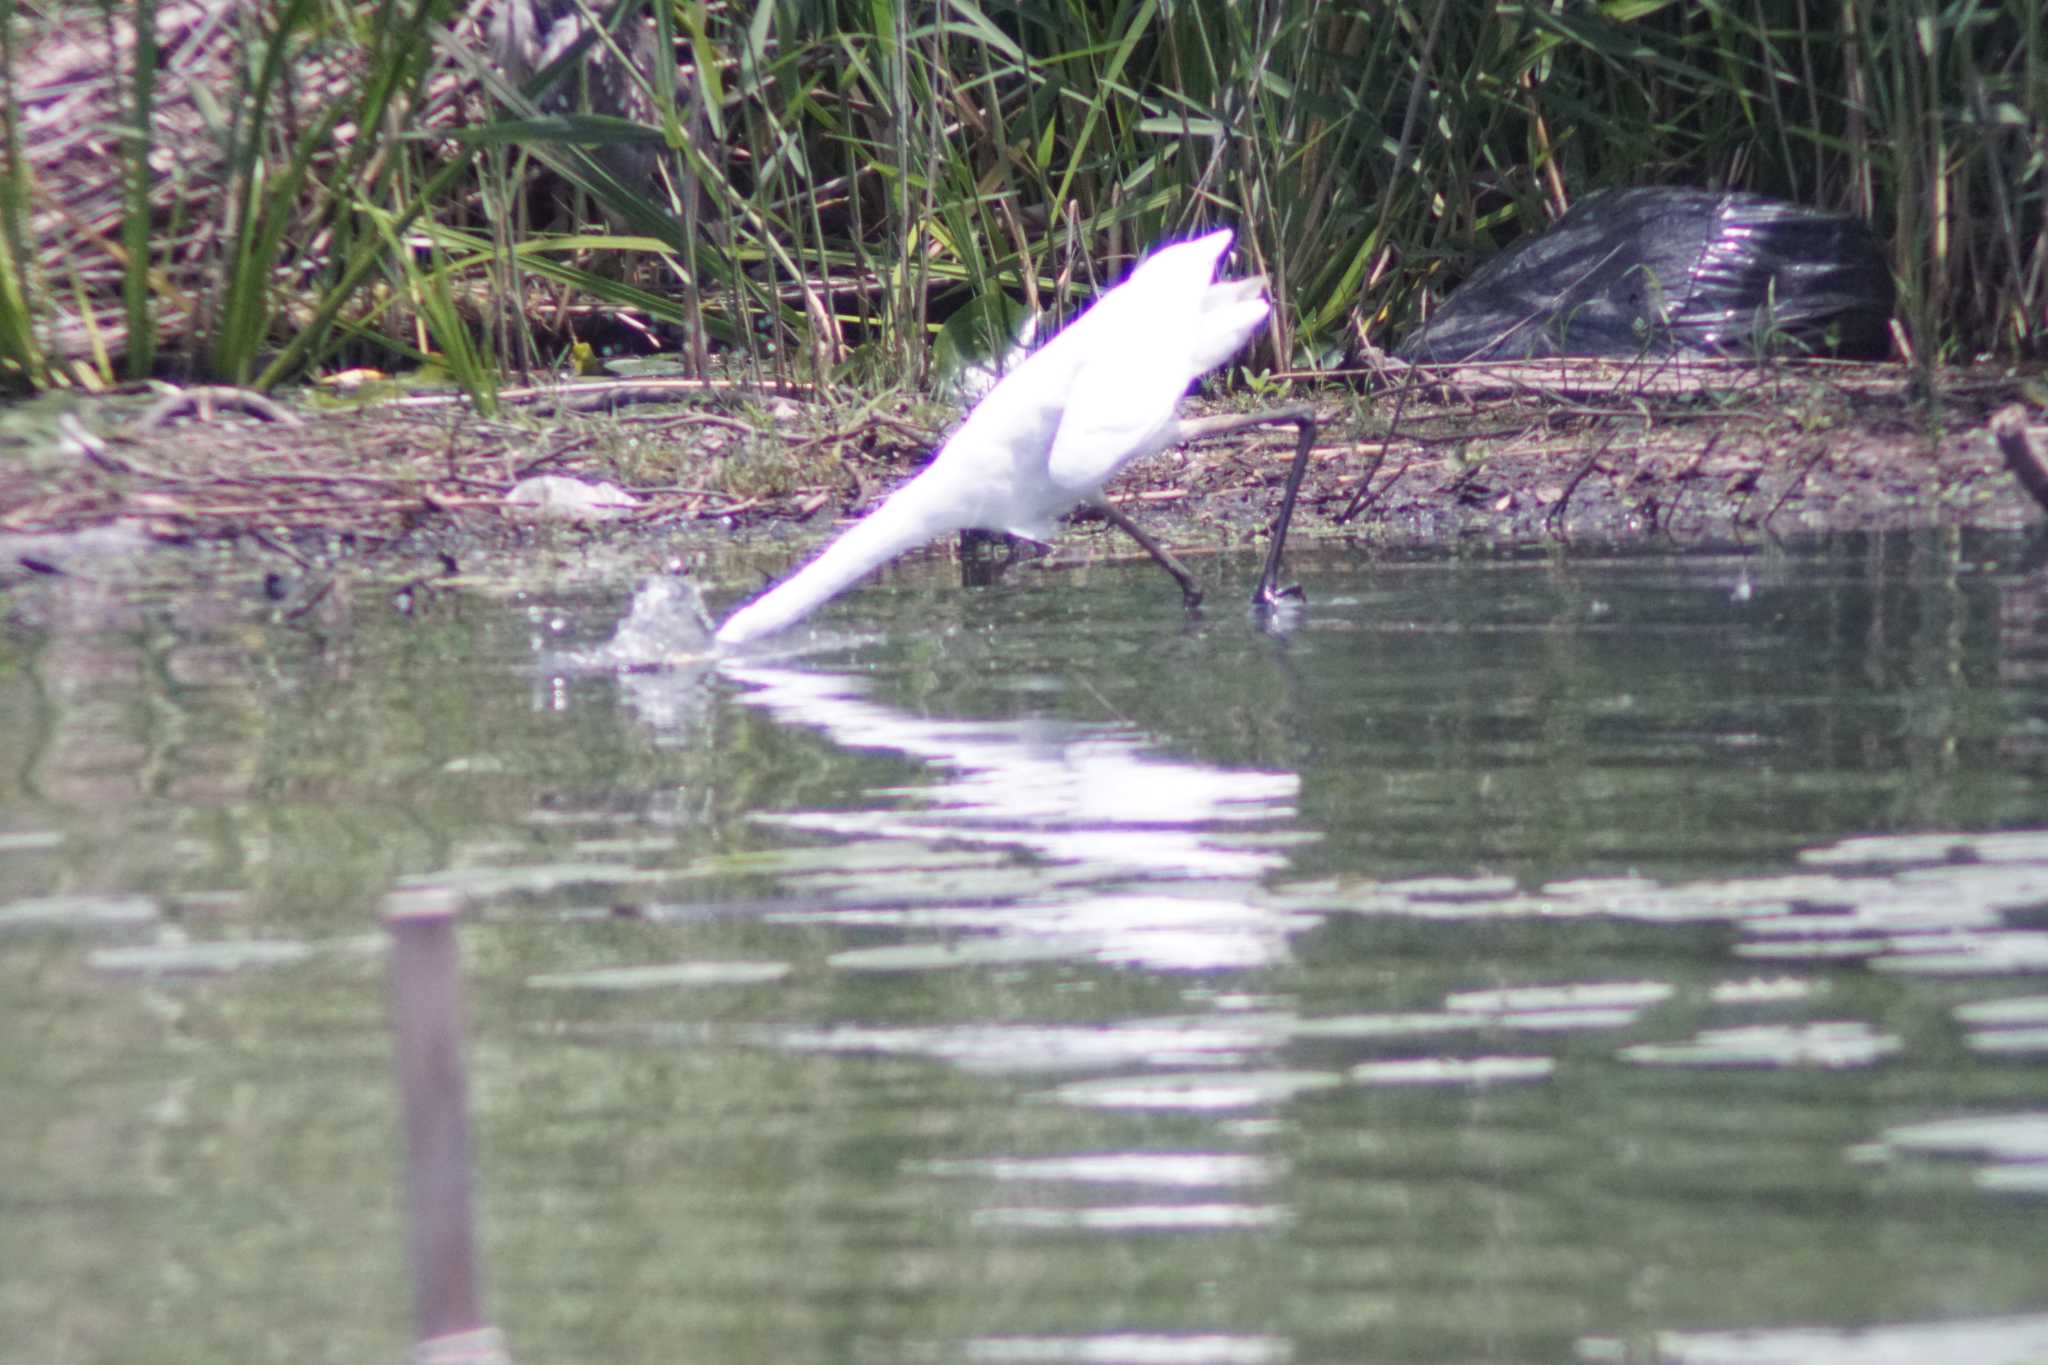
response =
{"points": [[817, 185]]}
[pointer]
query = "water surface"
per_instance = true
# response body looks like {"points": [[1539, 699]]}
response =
{"points": [[1522, 958]]}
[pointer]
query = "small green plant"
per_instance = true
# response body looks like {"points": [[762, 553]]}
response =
{"points": [[1266, 388]]}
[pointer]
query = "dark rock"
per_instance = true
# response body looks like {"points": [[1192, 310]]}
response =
{"points": [[1654, 269]]}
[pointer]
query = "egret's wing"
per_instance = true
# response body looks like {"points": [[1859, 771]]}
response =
{"points": [[1232, 310], [1155, 340], [1170, 280], [1119, 409], [1183, 266]]}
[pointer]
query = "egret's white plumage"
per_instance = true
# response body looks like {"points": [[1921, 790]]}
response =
{"points": [[1059, 426]]}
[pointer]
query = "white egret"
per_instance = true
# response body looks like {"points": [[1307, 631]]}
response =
{"points": [[1100, 394]]}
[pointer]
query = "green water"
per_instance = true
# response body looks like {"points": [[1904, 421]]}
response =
{"points": [[1496, 966]]}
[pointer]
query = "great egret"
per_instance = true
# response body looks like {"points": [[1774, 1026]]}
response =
{"points": [[1059, 426]]}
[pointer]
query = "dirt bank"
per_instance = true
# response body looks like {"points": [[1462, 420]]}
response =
{"points": [[1680, 455]]}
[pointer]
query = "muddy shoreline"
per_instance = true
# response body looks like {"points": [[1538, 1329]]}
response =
{"points": [[734, 482]]}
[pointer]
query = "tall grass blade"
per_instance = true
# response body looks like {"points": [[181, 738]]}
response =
{"points": [[136, 245]]}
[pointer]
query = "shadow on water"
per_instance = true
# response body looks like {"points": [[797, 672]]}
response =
{"points": [[1522, 959]]}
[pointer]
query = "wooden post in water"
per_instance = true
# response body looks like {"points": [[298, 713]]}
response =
{"points": [[433, 1092]]}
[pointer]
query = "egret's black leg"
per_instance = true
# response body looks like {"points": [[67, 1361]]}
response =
{"points": [[1190, 590], [1303, 415], [1269, 592]]}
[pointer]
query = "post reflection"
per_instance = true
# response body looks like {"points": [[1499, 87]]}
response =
{"points": [[433, 1088]]}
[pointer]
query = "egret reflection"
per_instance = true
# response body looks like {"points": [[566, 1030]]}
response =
{"points": [[1098, 845], [1125, 854]]}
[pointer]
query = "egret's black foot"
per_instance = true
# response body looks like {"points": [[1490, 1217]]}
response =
{"points": [[1273, 595]]}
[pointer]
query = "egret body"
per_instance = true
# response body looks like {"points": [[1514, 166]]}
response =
{"points": [[1059, 426]]}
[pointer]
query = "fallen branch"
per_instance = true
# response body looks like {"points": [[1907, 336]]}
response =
{"points": [[1554, 518], [1798, 482], [207, 401]]}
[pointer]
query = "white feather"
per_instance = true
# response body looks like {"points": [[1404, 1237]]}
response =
{"points": [[1059, 426]]}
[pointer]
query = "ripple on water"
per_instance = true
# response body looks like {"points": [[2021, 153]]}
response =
{"points": [[1162, 932], [1193, 1090], [2009, 953], [2018, 1137], [78, 912], [1475, 1073], [1979, 1341], [2027, 846], [1817, 1046], [1569, 1008], [200, 958], [1179, 1169], [662, 976], [1138, 1218], [1133, 1348], [2016, 1026], [1211, 1041]]}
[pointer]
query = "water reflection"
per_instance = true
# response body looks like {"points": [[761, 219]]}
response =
{"points": [[1516, 965], [1115, 851], [1988, 1341], [1111, 846]]}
